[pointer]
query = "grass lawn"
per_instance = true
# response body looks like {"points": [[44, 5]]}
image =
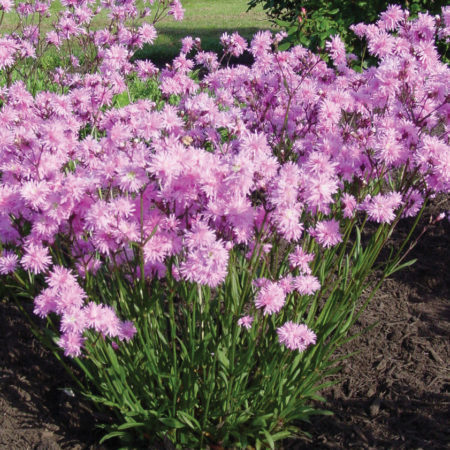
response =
{"points": [[206, 19]]}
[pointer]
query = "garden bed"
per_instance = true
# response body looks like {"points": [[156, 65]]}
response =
{"points": [[394, 393]]}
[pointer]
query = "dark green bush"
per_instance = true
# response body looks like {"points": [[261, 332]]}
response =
{"points": [[312, 22]]}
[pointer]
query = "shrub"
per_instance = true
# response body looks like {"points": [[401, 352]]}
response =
{"points": [[202, 255]]}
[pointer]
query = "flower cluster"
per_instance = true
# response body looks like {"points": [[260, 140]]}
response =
{"points": [[286, 150], [106, 50]]}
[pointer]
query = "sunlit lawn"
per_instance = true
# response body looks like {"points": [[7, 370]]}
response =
{"points": [[207, 19]]}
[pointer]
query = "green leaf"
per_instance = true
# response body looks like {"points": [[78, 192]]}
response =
{"points": [[400, 267], [190, 421], [128, 425], [269, 439], [284, 46], [111, 435], [171, 422]]}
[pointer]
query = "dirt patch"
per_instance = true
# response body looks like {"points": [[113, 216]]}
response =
{"points": [[394, 393]]}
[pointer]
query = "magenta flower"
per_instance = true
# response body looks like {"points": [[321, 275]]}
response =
{"points": [[295, 336]]}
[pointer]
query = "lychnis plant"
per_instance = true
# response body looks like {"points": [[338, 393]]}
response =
{"points": [[201, 259]]}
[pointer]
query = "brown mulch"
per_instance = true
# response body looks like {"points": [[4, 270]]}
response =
{"points": [[393, 394]]}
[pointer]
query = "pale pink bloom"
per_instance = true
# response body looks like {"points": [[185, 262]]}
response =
{"points": [[147, 33], [8, 49], [349, 205], [234, 45], [327, 233], [60, 278], [8, 262], [146, 69], [391, 17], [381, 45], [299, 258], [261, 43], [186, 44], [132, 178], [246, 322], [45, 302], [35, 192], [69, 297], [296, 336], [381, 208], [126, 330], [157, 248], [271, 297], [176, 10], [6, 5], [319, 192], [288, 221], [206, 264], [103, 319], [72, 344], [336, 48], [306, 284], [287, 284], [36, 258], [200, 235], [73, 320]]}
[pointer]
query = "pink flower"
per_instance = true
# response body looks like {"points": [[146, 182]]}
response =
{"points": [[147, 33], [45, 302], [73, 321], [336, 48], [349, 205], [327, 233], [60, 278], [261, 43], [288, 221], [287, 284], [234, 45], [6, 5], [299, 258], [391, 17], [186, 44], [36, 258], [306, 284], [381, 208], [103, 319], [126, 331], [146, 69], [7, 51], [246, 322], [176, 10], [8, 262], [72, 344], [271, 297], [206, 264], [295, 336]]}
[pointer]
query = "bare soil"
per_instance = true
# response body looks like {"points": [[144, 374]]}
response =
{"points": [[393, 394]]}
